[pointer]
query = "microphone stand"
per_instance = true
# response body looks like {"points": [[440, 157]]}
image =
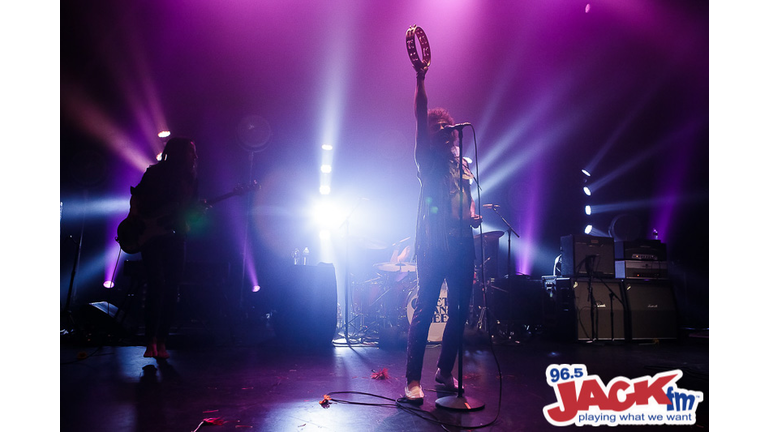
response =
{"points": [[347, 271], [459, 401], [69, 321], [612, 295], [510, 231], [589, 264], [246, 237]]}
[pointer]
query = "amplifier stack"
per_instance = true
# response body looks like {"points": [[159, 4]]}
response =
{"points": [[640, 259], [623, 294]]}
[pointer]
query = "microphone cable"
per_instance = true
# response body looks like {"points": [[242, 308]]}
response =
{"points": [[482, 271], [329, 398]]}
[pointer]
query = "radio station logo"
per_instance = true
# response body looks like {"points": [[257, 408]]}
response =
{"points": [[584, 399]]}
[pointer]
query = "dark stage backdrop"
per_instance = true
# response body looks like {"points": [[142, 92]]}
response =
{"points": [[550, 87]]}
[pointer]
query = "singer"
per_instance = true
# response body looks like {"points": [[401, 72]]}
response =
{"points": [[444, 242]]}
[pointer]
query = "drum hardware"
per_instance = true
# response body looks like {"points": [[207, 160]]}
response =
{"points": [[379, 304], [509, 232], [396, 267]]}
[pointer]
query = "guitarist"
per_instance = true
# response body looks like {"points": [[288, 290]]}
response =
{"points": [[167, 193]]}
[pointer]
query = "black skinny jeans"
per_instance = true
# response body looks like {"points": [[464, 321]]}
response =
{"points": [[457, 269], [163, 259]]}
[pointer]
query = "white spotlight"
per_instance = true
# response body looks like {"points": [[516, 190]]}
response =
{"points": [[325, 168], [325, 190], [108, 284], [256, 288], [586, 173], [327, 147], [587, 191], [326, 215], [588, 209], [588, 229], [164, 134]]}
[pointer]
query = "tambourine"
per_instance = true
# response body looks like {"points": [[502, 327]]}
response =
{"points": [[411, 34]]}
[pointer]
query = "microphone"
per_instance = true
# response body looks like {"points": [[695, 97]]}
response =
{"points": [[459, 126], [491, 206]]}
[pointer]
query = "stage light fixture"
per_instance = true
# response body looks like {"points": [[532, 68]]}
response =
{"points": [[588, 229], [588, 210], [325, 190], [586, 173], [325, 168], [587, 191], [327, 147], [164, 134], [256, 288], [108, 284], [327, 215]]}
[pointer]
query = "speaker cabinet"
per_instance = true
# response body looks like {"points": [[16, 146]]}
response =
{"points": [[601, 316], [653, 310], [558, 312], [585, 255], [571, 314], [305, 307]]}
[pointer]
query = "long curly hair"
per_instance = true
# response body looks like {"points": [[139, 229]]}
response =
{"points": [[434, 116]]}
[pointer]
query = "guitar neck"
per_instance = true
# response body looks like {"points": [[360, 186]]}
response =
{"points": [[220, 198], [237, 191]]}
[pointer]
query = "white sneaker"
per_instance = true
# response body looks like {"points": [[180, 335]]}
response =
{"points": [[448, 380], [414, 393]]}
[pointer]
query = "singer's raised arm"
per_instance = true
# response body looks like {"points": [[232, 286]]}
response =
{"points": [[420, 110]]}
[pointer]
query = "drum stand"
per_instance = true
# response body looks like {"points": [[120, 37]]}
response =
{"points": [[347, 272], [486, 315]]}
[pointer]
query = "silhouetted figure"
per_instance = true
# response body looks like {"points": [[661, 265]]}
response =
{"points": [[163, 202], [444, 241]]}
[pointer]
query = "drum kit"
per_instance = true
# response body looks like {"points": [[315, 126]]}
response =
{"points": [[379, 303], [387, 301]]}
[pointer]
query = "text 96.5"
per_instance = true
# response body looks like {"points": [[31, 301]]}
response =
{"points": [[565, 372]]}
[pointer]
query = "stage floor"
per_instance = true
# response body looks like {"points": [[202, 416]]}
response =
{"points": [[259, 383]]}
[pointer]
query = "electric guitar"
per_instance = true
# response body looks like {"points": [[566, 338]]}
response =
{"points": [[135, 231]]}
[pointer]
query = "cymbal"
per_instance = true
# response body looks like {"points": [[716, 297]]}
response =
{"points": [[396, 267], [491, 235]]}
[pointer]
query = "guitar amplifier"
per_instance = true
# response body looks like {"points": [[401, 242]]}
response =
{"points": [[647, 250], [639, 269], [585, 255]]}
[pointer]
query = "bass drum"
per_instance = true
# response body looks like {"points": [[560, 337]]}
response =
{"points": [[440, 316]]}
